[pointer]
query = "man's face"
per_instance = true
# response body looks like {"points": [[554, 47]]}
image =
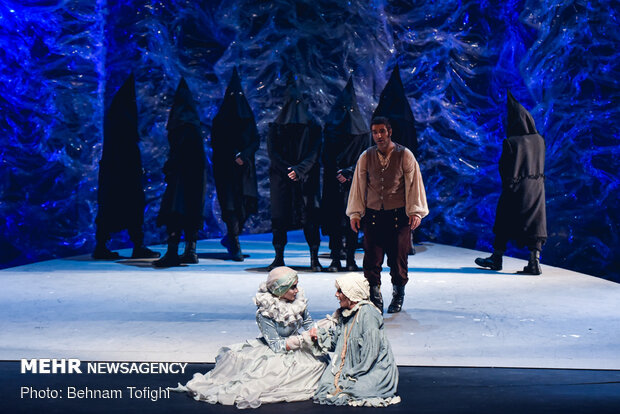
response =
{"points": [[382, 136]]}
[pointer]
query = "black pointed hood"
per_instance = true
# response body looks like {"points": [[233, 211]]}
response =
{"points": [[183, 109], [345, 116], [394, 105], [295, 110], [121, 119], [235, 105], [120, 194], [519, 120]]}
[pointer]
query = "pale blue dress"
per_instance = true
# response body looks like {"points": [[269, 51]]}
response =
{"points": [[261, 370], [369, 375]]}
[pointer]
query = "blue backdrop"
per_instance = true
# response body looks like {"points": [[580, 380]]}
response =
{"points": [[61, 62]]}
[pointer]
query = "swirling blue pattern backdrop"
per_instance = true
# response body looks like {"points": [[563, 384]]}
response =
{"points": [[62, 61]]}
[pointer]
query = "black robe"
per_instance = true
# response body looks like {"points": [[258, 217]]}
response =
{"points": [[521, 214], [345, 136], [394, 105], [184, 197], [294, 141], [120, 194], [234, 134]]}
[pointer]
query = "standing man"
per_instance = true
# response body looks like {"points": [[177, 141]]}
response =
{"points": [[521, 214], [388, 192], [346, 136], [235, 139], [186, 180], [294, 147]]}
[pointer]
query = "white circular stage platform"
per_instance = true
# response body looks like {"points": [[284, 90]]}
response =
{"points": [[455, 314]]}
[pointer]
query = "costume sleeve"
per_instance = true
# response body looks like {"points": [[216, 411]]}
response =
{"points": [[356, 205], [307, 322], [311, 157], [275, 158], [368, 346], [328, 332], [247, 153], [415, 194], [268, 328]]}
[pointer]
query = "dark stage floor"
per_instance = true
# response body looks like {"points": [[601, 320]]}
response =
{"points": [[422, 389]]}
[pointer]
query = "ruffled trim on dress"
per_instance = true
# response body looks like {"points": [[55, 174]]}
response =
{"points": [[287, 313]]}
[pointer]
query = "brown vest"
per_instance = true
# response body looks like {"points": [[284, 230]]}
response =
{"points": [[386, 186]]}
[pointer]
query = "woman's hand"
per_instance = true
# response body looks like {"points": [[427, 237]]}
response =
{"points": [[313, 334]]}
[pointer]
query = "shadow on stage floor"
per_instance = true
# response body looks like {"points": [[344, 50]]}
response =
{"points": [[422, 389]]}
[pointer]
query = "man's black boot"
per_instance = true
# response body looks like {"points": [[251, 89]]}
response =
{"points": [[279, 259], [235, 249], [189, 255], [533, 265], [102, 252], [376, 298], [143, 252], [351, 265], [398, 295], [315, 265], [335, 266], [171, 258], [493, 262]]}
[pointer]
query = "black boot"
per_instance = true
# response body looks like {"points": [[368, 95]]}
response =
{"points": [[376, 298], [493, 262], [279, 259], [102, 252], [335, 266], [398, 295], [143, 252], [189, 255], [171, 258], [351, 265], [235, 249], [315, 265], [533, 265]]}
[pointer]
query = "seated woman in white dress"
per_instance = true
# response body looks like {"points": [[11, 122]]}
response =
{"points": [[275, 367], [362, 371]]}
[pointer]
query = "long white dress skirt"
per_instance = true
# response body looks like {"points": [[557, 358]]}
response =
{"points": [[250, 373]]}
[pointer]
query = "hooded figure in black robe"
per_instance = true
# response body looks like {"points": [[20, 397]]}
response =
{"points": [[345, 136], [393, 105], [120, 195], [521, 214], [235, 139], [186, 179], [294, 145]]}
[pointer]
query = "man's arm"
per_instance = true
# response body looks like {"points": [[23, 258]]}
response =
{"points": [[415, 194], [356, 205]]}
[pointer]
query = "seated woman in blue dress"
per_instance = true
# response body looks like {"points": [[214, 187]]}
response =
{"points": [[362, 371], [275, 367]]}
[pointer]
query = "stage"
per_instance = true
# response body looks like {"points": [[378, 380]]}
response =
{"points": [[454, 314]]}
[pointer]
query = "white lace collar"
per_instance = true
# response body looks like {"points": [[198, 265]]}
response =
{"points": [[280, 310]]}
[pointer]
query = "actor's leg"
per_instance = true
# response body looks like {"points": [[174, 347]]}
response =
{"points": [[351, 240], [373, 259], [335, 247], [279, 241], [397, 253], [171, 257], [232, 244], [533, 264], [189, 255], [495, 261], [313, 238], [101, 251], [140, 251]]}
